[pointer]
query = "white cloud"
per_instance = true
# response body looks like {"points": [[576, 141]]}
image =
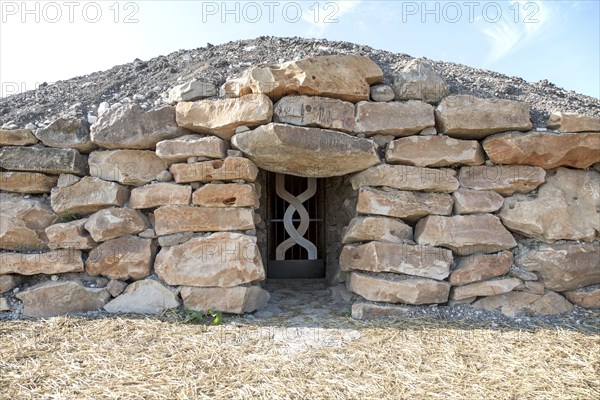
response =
{"points": [[328, 13], [521, 24]]}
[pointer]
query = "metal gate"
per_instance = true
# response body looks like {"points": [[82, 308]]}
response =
{"points": [[296, 229]]}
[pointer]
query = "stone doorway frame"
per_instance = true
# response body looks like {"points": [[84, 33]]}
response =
{"points": [[308, 258]]}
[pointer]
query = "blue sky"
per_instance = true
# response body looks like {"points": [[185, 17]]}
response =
{"points": [[45, 41]]}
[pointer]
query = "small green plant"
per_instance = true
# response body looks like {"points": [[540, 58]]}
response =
{"points": [[70, 217], [198, 317]]}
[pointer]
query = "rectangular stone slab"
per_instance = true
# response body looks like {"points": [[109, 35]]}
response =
{"points": [[173, 219], [410, 206], [424, 261], [43, 159], [408, 291], [49, 263]]}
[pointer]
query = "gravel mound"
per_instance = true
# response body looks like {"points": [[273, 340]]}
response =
{"points": [[143, 81]]}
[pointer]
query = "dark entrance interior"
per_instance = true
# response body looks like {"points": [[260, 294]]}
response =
{"points": [[296, 229]]}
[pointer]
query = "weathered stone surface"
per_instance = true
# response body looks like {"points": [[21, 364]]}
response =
{"points": [[70, 235], [567, 122], [314, 111], [418, 81], [395, 118], [563, 266], [344, 77], [175, 239], [87, 196], [4, 304], [221, 117], [180, 149], [410, 206], [382, 93], [514, 304], [486, 288], [9, 282], [143, 297], [543, 149], [159, 194], [467, 201], [190, 91], [587, 297], [520, 273], [65, 180], [27, 182], [229, 169], [566, 207], [531, 287], [52, 262], [56, 298], [408, 291], [308, 152], [504, 179], [128, 167], [174, 219], [116, 287], [129, 127], [434, 151], [365, 310], [465, 234], [127, 257], [424, 261], [405, 177], [226, 195], [22, 223], [16, 137], [363, 229], [469, 117], [67, 132], [233, 300], [43, 159], [479, 267], [111, 223], [221, 259]]}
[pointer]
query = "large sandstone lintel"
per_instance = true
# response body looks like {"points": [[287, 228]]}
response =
{"points": [[308, 152]]}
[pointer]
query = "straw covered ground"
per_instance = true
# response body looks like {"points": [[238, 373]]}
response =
{"points": [[164, 358]]}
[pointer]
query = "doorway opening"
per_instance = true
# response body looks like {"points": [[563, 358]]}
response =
{"points": [[296, 227]]}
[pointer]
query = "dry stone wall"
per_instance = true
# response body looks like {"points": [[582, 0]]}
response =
{"points": [[445, 199]]}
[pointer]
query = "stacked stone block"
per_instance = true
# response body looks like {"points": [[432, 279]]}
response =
{"points": [[457, 199]]}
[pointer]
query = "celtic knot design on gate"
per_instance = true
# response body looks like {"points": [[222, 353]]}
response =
{"points": [[296, 234]]}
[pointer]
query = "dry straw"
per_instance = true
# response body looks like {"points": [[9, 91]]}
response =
{"points": [[137, 358]]}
